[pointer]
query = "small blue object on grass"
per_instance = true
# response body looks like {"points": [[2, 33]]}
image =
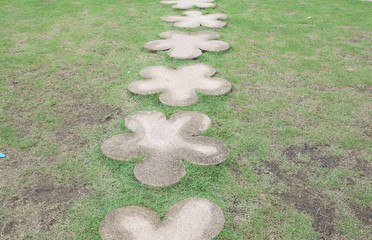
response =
{"points": [[2, 155]]}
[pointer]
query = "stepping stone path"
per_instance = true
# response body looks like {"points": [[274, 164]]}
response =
{"points": [[179, 86], [186, 4], [182, 45], [165, 143], [194, 19], [190, 219]]}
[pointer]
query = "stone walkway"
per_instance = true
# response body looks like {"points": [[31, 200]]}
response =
{"points": [[165, 143]]}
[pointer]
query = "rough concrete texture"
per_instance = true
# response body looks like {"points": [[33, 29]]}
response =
{"points": [[179, 86], [165, 143], [186, 4], [194, 19], [182, 45], [190, 219]]}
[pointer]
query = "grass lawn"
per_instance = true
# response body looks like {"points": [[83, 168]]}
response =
{"points": [[297, 121]]}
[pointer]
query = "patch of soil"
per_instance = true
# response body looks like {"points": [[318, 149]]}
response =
{"points": [[320, 155], [305, 199], [9, 227], [363, 167], [292, 178], [46, 189], [316, 153], [47, 221], [309, 201], [47, 192], [363, 213], [81, 114], [47, 198], [301, 196]]}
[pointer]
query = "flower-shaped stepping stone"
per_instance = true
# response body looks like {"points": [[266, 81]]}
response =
{"points": [[190, 219], [165, 143], [194, 19], [179, 86], [182, 45], [186, 4]]}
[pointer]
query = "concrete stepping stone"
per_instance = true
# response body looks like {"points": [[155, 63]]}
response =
{"points": [[179, 86], [186, 4], [190, 219], [165, 143], [194, 19], [182, 45]]}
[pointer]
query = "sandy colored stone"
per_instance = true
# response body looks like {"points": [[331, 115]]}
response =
{"points": [[182, 45], [186, 4], [165, 143], [179, 86], [194, 19], [190, 219]]}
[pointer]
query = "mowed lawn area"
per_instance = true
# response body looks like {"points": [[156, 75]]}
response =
{"points": [[297, 122]]}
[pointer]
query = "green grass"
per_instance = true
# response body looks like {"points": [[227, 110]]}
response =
{"points": [[301, 79]]}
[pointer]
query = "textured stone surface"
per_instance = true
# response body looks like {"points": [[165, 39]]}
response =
{"points": [[179, 86], [182, 45], [194, 19], [190, 219], [186, 4], [164, 143]]}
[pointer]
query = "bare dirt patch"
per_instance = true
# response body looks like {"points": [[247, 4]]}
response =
{"points": [[301, 195], [316, 153], [311, 200], [9, 227], [46, 200], [294, 178], [305, 199], [82, 115], [48, 190], [320, 156], [363, 213]]}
